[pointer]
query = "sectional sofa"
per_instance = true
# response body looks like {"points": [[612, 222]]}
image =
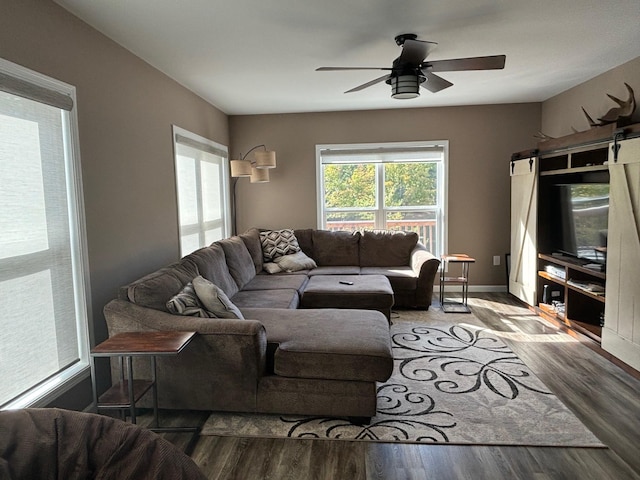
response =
{"points": [[276, 358]]}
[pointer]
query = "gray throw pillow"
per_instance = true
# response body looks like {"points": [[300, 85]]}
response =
{"points": [[186, 302], [215, 300], [276, 243], [295, 262], [271, 267]]}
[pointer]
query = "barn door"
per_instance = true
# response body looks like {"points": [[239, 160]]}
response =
{"points": [[524, 213], [621, 332]]}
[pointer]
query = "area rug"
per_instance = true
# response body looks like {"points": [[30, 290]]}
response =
{"points": [[454, 383]]}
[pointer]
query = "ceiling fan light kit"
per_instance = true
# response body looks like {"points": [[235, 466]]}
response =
{"points": [[405, 87], [411, 70]]}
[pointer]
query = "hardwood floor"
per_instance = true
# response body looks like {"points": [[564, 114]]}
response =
{"points": [[604, 397]]}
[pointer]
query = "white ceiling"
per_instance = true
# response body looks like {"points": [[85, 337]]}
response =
{"points": [[260, 56]]}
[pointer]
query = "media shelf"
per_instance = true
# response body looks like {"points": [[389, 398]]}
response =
{"points": [[571, 291], [573, 161]]}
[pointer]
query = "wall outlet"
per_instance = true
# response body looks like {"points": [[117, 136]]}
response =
{"points": [[496, 260]]}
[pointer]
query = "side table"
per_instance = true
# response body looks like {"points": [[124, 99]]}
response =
{"points": [[464, 260], [125, 346]]}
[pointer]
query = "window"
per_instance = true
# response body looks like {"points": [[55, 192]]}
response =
{"points": [[202, 177], [399, 186], [43, 269]]}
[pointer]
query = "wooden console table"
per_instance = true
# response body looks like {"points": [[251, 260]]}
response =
{"points": [[124, 394]]}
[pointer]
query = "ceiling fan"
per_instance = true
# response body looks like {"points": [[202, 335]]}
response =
{"points": [[411, 69]]}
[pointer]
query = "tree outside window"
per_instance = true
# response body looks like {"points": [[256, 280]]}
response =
{"points": [[377, 189]]}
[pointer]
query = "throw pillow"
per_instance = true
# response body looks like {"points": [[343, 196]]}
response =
{"points": [[215, 300], [295, 262], [271, 267], [186, 302], [276, 243]]}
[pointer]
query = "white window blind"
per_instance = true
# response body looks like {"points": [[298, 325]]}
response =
{"points": [[201, 183], [44, 320]]}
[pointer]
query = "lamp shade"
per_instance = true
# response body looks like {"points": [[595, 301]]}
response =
{"points": [[405, 86], [266, 159], [240, 168], [259, 175]]}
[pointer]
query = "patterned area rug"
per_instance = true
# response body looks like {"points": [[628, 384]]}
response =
{"points": [[454, 383]]}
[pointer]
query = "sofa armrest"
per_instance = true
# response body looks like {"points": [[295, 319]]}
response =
{"points": [[423, 261], [220, 368], [425, 265], [125, 316]]}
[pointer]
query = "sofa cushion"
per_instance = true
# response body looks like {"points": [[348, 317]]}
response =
{"points": [[276, 243], [277, 298], [155, 289], [400, 278], [309, 345], [186, 302], [339, 270], [215, 300], [386, 248], [276, 282], [212, 264], [305, 240], [239, 260], [335, 248], [251, 239]]}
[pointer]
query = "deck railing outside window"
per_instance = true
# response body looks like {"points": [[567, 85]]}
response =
{"points": [[426, 229]]}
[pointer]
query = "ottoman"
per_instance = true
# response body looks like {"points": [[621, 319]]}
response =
{"points": [[366, 292]]}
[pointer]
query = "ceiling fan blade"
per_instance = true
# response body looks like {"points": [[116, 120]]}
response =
{"points": [[368, 84], [414, 51], [435, 83], [494, 62], [334, 69]]}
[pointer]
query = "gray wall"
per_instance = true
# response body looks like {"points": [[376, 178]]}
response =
{"points": [[126, 109], [481, 141]]}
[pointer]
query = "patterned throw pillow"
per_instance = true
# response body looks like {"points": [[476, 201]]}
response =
{"points": [[186, 302], [276, 243], [295, 262], [215, 300]]}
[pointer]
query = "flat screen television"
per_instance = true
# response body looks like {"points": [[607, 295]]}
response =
{"points": [[584, 214]]}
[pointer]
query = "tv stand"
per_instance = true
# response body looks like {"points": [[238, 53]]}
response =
{"points": [[581, 292], [600, 155]]}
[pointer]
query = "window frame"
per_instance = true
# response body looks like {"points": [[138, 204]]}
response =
{"points": [[201, 226], [46, 90], [380, 210]]}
